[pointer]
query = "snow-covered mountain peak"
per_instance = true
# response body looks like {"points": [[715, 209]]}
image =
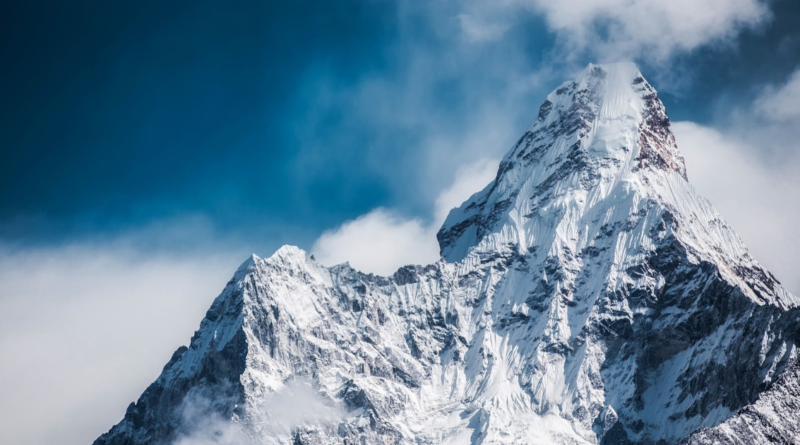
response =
{"points": [[248, 265], [612, 85], [600, 154], [605, 133], [289, 255], [586, 296], [605, 99]]}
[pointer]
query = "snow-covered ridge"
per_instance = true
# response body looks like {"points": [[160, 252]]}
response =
{"points": [[600, 149], [586, 296]]}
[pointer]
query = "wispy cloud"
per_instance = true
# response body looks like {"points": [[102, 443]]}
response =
{"points": [[652, 30], [781, 103], [464, 84], [201, 424], [275, 419], [479, 30]]}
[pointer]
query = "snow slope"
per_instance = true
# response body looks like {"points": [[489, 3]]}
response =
{"points": [[587, 295]]}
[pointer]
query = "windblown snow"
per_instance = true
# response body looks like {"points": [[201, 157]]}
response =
{"points": [[587, 295]]}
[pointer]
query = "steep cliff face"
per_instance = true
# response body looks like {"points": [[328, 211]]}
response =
{"points": [[587, 295], [773, 419]]}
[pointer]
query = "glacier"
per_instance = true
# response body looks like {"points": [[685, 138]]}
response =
{"points": [[587, 295]]}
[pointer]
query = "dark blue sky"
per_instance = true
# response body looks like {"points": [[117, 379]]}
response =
{"points": [[276, 120]]}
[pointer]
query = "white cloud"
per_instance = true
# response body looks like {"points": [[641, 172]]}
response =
{"points": [[760, 200], [293, 405], [85, 328], [296, 404], [651, 29], [382, 241], [781, 104], [207, 427], [377, 242]]}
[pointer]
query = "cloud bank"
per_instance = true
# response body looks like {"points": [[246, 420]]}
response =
{"points": [[86, 327], [760, 201], [747, 167]]}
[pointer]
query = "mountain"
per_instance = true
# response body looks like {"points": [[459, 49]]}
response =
{"points": [[587, 295]]}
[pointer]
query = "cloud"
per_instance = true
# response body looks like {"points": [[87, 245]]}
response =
{"points": [[760, 199], [614, 29], [85, 327], [296, 404], [780, 104], [377, 242], [207, 427], [280, 414], [650, 28], [382, 241]]}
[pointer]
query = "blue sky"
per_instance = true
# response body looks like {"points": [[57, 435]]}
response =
{"points": [[148, 147], [275, 121]]}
